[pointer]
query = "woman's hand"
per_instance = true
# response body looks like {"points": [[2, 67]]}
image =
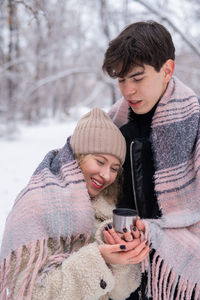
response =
{"points": [[112, 237], [119, 253], [135, 250]]}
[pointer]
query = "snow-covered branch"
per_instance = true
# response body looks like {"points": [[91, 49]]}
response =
{"points": [[58, 76], [164, 17]]}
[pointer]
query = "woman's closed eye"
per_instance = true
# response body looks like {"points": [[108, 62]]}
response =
{"points": [[115, 170], [100, 162]]}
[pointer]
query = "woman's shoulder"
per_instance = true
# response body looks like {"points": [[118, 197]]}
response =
{"points": [[103, 207]]}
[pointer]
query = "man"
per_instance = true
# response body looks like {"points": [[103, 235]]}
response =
{"points": [[162, 166]]}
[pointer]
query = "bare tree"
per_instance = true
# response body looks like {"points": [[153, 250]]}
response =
{"points": [[166, 18], [13, 53], [51, 52]]}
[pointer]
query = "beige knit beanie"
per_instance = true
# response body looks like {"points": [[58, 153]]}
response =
{"points": [[96, 133]]}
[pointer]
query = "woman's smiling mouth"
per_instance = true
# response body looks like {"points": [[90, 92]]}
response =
{"points": [[97, 184]]}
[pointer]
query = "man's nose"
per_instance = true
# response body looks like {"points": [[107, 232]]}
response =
{"points": [[129, 89]]}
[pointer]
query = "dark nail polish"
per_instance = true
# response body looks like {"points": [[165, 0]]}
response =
{"points": [[110, 226], [134, 228], [106, 228], [122, 247], [146, 243], [150, 245], [124, 229]]}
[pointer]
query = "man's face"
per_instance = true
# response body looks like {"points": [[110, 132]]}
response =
{"points": [[143, 86]]}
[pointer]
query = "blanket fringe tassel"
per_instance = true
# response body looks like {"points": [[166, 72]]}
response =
{"points": [[39, 264], [164, 284]]}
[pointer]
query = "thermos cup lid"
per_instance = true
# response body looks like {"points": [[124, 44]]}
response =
{"points": [[124, 217], [125, 212]]}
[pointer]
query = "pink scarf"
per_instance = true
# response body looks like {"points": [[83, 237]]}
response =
{"points": [[55, 204], [176, 235]]}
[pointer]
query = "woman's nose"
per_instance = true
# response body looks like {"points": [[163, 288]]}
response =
{"points": [[105, 174]]}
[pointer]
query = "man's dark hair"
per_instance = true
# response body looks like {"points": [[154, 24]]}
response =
{"points": [[138, 44]]}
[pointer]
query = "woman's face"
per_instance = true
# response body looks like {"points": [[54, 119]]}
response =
{"points": [[100, 171]]}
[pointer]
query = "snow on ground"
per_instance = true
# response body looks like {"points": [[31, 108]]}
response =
{"points": [[20, 157]]}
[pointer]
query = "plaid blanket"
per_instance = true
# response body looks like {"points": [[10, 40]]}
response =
{"points": [[175, 269], [55, 204]]}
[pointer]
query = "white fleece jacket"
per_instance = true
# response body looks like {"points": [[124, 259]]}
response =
{"points": [[85, 275]]}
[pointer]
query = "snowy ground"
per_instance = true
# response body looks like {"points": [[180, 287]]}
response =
{"points": [[20, 157]]}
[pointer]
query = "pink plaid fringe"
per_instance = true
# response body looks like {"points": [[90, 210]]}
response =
{"points": [[34, 265], [175, 237], [164, 284], [43, 211]]}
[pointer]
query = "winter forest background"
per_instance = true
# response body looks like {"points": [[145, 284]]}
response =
{"points": [[51, 53]]}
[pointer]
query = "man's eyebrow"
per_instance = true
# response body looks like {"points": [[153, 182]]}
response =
{"points": [[136, 74]]}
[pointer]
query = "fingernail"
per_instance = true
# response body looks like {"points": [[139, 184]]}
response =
{"points": [[150, 245], [134, 228], [122, 247], [106, 228], [124, 229], [110, 226], [146, 243]]}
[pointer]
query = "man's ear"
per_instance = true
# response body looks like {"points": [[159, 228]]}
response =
{"points": [[168, 69]]}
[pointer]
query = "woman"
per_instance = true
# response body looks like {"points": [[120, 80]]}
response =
{"points": [[52, 246]]}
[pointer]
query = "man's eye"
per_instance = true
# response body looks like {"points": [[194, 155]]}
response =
{"points": [[137, 79], [121, 80]]}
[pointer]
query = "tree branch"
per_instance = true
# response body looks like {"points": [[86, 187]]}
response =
{"points": [[164, 17], [56, 77]]}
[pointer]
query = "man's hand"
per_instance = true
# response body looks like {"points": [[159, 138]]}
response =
{"points": [[140, 225]]}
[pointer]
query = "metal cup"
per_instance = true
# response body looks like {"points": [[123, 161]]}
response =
{"points": [[124, 217]]}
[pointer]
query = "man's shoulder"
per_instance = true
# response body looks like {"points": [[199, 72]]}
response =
{"points": [[180, 89]]}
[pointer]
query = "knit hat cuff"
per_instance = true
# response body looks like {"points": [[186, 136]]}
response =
{"points": [[96, 133]]}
